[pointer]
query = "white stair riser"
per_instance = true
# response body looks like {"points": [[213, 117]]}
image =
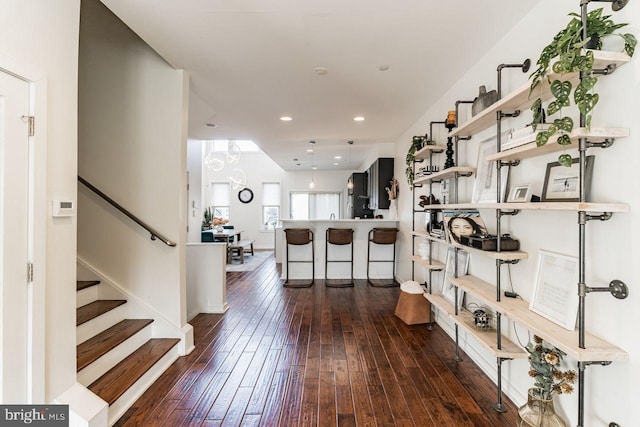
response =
{"points": [[98, 368], [120, 406], [86, 296], [95, 326]]}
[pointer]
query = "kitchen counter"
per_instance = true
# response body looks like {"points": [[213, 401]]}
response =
{"points": [[339, 270]]}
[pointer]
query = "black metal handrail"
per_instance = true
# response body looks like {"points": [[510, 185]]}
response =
{"points": [[154, 234]]}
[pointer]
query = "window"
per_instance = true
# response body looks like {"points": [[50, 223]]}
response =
{"points": [[270, 205], [220, 199], [305, 205]]}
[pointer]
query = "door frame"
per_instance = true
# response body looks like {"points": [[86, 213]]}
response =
{"points": [[37, 228]]}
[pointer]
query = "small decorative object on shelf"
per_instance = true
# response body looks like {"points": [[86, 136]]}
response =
{"points": [[423, 250], [483, 100], [549, 380], [483, 318], [450, 123]]}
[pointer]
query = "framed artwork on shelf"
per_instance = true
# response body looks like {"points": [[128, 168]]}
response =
{"points": [[462, 223], [448, 288], [562, 184], [519, 193], [485, 186], [555, 296]]}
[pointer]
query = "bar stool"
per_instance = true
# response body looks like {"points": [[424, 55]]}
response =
{"points": [[338, 236], [382, 236], [300, 236]]}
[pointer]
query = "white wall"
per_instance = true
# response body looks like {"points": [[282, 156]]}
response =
{"points": [[42, 37], [132, 115], [611, 250], [194, 208]]}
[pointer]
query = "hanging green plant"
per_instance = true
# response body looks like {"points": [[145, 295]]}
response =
{"points": [[416, 144], [569, 49]]}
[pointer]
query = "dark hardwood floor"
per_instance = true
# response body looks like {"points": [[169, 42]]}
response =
{"points": [[316, 357]]}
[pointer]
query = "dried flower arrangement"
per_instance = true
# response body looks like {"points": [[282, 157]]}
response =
{"points": [[218, 220], [545, 368]]}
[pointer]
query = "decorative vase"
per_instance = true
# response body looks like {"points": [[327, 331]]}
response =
{"points": [[219, 229], [423, 250], [393, 209], [538, 412]]}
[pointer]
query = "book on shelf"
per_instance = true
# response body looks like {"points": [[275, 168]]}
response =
{"points": [[517, 138]]}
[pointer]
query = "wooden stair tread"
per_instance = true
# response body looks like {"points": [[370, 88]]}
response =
{"points": [[95, 309], [95, 347], [84, 284], [121, 377]]}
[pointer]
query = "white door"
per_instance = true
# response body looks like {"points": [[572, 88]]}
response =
{"points": [[14, 229]]}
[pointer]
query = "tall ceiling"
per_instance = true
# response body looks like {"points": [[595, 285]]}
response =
{"points": [[252, 62]]}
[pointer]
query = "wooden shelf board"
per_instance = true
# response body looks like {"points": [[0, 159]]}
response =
{"points": [[519, 98], [487, 338], [445, 174], [423, 153], [518, 311], [530, 149], [546, 206], [433, 265], [506, 255]]}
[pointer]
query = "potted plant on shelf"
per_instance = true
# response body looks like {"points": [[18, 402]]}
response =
{"points": [[572, 56], [549, 380]]}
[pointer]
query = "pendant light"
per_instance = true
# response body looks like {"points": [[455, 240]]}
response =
{"points": [[312, 184], [350, 182]]}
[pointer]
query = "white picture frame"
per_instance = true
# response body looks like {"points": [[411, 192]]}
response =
{"points": [[555, 293], [448, 288], [519, 194], [485, 185]]}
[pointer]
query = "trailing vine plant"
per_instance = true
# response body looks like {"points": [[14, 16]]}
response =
{"points": [[569, 49], [416, 144]]}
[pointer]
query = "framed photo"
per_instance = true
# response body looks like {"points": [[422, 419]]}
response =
{"points": [[520, 193], [555, 294], [562, 184], [485, 186], [462, 223], [448, 289]]}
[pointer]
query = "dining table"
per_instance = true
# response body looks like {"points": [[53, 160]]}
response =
{"points": [[225, 235]]}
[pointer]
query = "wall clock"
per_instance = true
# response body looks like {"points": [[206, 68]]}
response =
{"points": [[245, 195]]}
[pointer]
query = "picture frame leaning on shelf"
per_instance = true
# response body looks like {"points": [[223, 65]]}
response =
{"points": [[485, 184], [562, 184], [554, 293], [448, 289]]}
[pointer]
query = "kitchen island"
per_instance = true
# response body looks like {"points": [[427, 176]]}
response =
{"points": [[338, 270]]}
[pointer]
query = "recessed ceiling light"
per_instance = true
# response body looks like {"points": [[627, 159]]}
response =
{"points": [[314, 167], [337, 157], [211, 125], [358, 118], [321, 71], [383, 67], [336, 163], [309, 150], [286, 118]]}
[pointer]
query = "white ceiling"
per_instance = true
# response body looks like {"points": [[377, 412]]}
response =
{"points": [[253, 61]]}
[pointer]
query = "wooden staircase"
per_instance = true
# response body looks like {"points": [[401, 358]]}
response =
{"points": [[117, 358]]}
